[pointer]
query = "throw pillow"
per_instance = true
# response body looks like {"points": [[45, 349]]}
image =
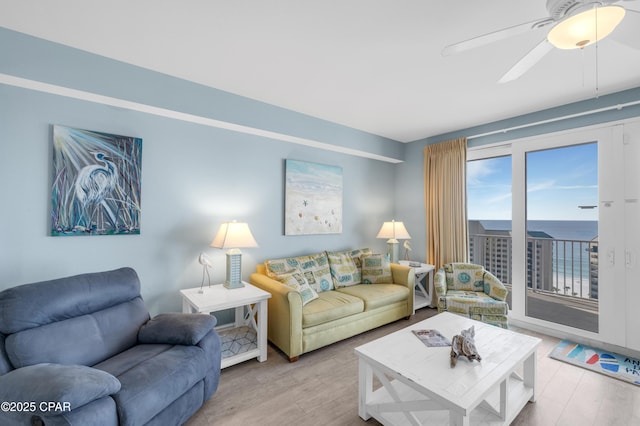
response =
{"points": [[376, 269], [281, 266], [344, 270], [357, 254], [315, 269], [176, 329], [467, 277], [297, 281], [317, 272]]}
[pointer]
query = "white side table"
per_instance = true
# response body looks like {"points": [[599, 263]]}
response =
{"points": [[246, 338], [422, 293]]}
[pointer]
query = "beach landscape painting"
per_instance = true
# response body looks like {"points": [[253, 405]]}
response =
{"points": [[313, 198], [96, 183]]}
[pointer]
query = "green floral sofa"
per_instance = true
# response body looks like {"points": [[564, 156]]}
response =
{"points": [[326, 297], [470, 290]]}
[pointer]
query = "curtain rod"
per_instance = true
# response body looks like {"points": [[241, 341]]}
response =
{"points": [[552, 120]]}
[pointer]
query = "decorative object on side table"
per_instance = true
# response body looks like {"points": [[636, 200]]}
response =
{"points": [[407, 249], [463, 344], [233, 236], [393, 231], [203, 259]]}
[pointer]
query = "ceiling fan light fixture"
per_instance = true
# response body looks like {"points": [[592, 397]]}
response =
{"points": [[586, 27]]}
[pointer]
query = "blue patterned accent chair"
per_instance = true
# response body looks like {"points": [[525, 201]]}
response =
{"points": [[470, 290]]}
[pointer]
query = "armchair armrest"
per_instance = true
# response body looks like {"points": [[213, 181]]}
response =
{"points": [[176, 329], [285, 314], [493, 287], [440, 283], [50, 389]]}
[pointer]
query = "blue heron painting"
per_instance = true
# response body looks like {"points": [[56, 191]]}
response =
{"points": [[96, 183]]}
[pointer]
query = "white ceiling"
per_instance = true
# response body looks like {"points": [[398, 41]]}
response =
{"points": [[374, 65]]}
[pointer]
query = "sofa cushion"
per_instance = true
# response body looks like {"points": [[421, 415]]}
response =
{"points": [[375, 296], [344, 270], [82, 340], [152, 377], [298, 282], [32, 305], [329, 306], [315, 269], [176, 329], [376, 269], [75, 385], [472, 302]]}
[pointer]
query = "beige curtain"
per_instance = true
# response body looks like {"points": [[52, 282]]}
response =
{"points": [[445, 186]]}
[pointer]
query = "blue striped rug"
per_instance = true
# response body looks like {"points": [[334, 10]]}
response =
{"points": [[612, 364]]}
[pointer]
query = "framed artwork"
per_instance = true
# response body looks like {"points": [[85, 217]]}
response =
{"points": [[96, 183], [313, 198]]}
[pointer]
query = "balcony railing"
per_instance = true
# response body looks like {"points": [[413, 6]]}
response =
{"points": [[560, 267]]}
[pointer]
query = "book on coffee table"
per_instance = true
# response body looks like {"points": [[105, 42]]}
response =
{"points": [[432, 338]]}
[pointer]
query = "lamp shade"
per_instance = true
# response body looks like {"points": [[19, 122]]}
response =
{"points": [[394, 230], [234, 235], [586, 27]]}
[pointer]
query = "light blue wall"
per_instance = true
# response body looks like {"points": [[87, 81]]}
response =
{"points": [[193, 177]]}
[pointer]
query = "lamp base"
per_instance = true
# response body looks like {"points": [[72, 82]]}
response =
{"points": [[234, 270], [392, 248], [229, 285]]}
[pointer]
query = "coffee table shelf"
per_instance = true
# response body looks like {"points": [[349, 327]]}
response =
{"points": [[517, 396]]}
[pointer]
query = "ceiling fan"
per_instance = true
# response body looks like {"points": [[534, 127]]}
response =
{"points": [[575, 24]]}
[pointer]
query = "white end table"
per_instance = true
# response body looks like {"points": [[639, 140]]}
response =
{"points": [[245, 338], [422, 293]]}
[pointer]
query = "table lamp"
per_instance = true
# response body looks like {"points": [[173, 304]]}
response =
{"points": [[233, 236], [393, 231]]}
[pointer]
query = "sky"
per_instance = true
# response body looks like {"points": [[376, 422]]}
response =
{"points": [[558, 181]]}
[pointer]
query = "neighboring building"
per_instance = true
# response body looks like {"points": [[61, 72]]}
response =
{"points": [[492, 248]]}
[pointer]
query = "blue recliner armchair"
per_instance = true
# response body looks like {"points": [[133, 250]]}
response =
{"points": [[82, 350]]}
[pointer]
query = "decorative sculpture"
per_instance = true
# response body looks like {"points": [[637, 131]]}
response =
{"points": [[463, 345], [203, 259]]}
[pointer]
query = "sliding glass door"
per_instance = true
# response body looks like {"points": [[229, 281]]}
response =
{"points": [[562, 235]]}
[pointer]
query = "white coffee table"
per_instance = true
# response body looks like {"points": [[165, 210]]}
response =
{"points": [[247, 334], [418, 386]]}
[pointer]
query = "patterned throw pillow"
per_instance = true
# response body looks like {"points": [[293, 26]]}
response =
{"points": [[376, 269], [315, 269], [281, 266], [468, 277], [297, 281], [357, 254], [344, 270]]}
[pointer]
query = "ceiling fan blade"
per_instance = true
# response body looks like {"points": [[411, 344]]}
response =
{"points": [[528, 61], [494, 36]]}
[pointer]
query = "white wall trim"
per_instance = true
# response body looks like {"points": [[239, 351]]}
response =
{"points": [[177, 115]]}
